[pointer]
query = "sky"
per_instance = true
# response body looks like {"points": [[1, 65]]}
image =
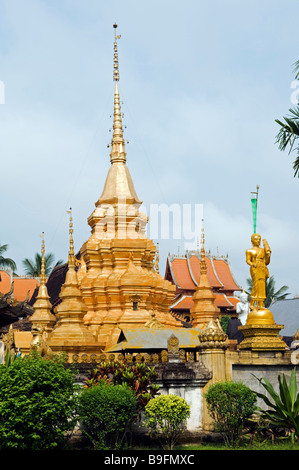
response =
{"points": [[201, 84]]}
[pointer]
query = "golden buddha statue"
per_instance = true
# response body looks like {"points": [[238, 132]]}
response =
{"points": [[258, 258], [260, 330]]}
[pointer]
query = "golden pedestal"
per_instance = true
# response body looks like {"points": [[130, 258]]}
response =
{"points": [[261, 332]]}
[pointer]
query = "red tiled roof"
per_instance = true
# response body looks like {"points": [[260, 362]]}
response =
{"points": [[182, 276], [233, 300], [222, 301], [225, 275], [21, 286], [194, 262], [185, 302], [185, 273]]}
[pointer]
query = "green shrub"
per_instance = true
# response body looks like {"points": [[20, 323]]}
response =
{"points": [[230, 404], [284, 409], [165, 417], [106, 412], [37, 403], [139, 378]]}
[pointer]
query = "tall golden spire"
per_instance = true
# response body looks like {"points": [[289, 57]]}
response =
{"points": [[119, 184], [118, 153]]}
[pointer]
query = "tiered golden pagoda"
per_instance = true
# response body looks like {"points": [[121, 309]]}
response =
{"points": [[119, 284], [204, 309]]}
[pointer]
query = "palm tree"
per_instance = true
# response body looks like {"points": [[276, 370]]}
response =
{"points": [[288, 135], [6, 262], [33, 268], [271, 295]]}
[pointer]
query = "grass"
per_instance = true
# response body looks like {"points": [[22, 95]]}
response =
{"points": [[264, 445], [281, 444]]}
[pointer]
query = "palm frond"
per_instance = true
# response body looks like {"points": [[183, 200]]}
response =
{"points": [[4, 261], [33, 268], [296, 69], [288, 135]]}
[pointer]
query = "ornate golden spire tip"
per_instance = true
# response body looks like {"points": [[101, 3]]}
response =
{"points": [[43, 268]]}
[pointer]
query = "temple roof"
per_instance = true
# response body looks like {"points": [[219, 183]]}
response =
{"points": [[184, 272], [149, 339], [14, 307], [185, 302], [23, 287]]}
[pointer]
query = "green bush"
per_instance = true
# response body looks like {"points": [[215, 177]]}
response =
{"points": [[283, 411], [106, 412], [138, 377], [230, 404], [165, 417], [37, 403]]}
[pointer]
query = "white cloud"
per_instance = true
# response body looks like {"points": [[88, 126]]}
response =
{"points": [[202, 84]]}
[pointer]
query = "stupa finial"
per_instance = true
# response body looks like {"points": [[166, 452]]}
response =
{"points": [[203, 265], [71, 260], [118, 153], [43, 267], [157, 259], [116, 69]]}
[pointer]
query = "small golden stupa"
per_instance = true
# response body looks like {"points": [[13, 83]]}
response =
{"points": [[204, 309], [70, 335], [42, 319]]}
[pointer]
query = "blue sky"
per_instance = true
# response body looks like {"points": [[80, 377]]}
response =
{"points": [[201, 83]]}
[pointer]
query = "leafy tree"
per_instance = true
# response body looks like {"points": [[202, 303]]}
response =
{"points": [[6, 262], [224, 322], [165, 417], [288, 135], [33, 268], [37, 403], [271, 294], [106, 412], [284, 409], [230, 404]]}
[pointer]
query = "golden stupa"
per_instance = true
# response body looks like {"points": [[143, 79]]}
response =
{"points": [[204, 309], [70, 335], [118, 281]]}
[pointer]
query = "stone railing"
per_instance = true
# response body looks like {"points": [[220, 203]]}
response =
{"points": [[155, 358]]}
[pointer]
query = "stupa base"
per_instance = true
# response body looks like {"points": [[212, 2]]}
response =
{"points": [[77, 353], [261, 332]]}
